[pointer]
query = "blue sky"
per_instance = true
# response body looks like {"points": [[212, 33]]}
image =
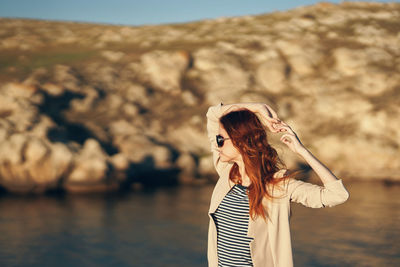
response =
{"points": [[134, 12]]}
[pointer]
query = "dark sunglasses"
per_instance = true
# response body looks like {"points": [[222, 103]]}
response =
{"points": [[221, 140]]}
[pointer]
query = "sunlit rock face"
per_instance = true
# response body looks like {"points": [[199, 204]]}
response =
{"points": [[87, 107]]}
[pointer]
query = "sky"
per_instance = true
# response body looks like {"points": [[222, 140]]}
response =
{"points": [[144, 12]]}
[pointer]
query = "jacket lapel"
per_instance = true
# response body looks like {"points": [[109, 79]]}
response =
{"points": [[222, 187]]}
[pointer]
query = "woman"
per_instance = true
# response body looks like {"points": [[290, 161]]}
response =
{"points": [[250, 205]]}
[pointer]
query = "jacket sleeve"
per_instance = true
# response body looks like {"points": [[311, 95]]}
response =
{"points": [[314, 196], [213, 115]]}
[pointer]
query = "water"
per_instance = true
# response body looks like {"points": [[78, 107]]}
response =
{"points": [[168, 227]]}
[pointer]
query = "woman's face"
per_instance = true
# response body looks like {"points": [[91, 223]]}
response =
{"points": [[227, 152]]}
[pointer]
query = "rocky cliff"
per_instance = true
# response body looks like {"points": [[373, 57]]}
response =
{"points": [[99, 107]]}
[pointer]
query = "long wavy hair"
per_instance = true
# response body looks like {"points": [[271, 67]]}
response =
{"points": [[260, 159]]}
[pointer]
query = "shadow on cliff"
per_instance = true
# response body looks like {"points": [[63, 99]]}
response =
{"points": [[54, 106], [147, 174]]}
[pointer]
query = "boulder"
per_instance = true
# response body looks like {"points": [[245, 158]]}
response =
{"points": [[163, 70], [220, 75], [272, 75], [29, 164], [90, 170]]}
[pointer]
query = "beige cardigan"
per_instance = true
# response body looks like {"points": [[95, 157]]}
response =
{"points": [[271, 244]]}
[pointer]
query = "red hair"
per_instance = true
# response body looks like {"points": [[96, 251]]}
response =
{"points": [[260, 159]]}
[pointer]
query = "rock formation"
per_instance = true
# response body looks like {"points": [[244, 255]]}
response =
{"points": [[88, 107]]}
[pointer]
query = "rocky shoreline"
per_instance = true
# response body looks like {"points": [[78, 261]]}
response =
{"points": [[88, 108]]}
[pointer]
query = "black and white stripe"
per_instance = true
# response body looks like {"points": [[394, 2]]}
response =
{"points": [[232, 220]]}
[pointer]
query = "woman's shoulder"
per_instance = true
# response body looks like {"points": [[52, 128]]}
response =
{"points": [[291, 182], [279, 189], [280, 173], [282, 184], [287, 183]]}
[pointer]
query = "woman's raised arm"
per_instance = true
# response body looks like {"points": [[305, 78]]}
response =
{"points": [[332, 193], [213, 114]]}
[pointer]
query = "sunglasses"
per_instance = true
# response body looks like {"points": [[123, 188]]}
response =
{"points": [[221, 140]]}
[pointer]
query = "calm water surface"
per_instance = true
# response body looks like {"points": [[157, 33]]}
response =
{"points": [[168, 227]]}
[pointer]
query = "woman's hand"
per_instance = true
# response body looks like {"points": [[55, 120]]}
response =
{"points": [[267, 116], [290, 138]]}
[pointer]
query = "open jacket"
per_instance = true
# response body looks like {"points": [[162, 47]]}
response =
{"points": [[271, 244]]}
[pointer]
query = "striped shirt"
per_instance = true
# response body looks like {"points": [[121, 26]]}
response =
{"points": [[232, 220]]}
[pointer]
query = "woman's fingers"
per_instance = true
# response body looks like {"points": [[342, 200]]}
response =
{"points": [[271, 123], [270, 118], [272, 128], [286, 138], [271, 112], [284, 127]]}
